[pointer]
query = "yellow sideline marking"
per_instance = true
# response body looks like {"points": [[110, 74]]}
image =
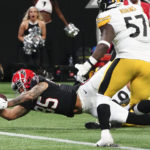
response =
{"points": [[63, 140]]}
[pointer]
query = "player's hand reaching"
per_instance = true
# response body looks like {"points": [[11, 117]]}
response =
{"points": [[83, 69], [80, 79]]}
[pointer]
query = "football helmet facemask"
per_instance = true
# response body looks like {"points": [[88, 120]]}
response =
{"points": [[108, 4], [22, 79]]}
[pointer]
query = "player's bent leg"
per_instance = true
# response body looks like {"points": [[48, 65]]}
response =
{"points": [[138, 119], [139, 93], [103, 111], [142, 107], [116, 77]]}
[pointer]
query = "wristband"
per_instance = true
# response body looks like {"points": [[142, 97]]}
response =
{"points": [[104, 42], [92, 60]]}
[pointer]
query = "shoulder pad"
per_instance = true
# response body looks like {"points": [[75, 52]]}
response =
{"points": [[103, 18]]}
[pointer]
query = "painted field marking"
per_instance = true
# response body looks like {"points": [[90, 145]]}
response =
{"points": [[63, 140]]}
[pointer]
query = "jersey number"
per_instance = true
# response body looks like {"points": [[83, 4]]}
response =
{"points": [[123, 97], [49, 106], [128, 21]]}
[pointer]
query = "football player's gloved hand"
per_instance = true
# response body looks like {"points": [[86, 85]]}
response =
{"points": [[71, 30], [80, 79], [3, 103], [83, 69]]}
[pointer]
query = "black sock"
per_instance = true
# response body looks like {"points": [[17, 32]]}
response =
{"points": [[103, 111], [144, 106]]}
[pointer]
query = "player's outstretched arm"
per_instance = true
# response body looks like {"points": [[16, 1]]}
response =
{"points": [[13, 113], [108, 35], [29, 95]]}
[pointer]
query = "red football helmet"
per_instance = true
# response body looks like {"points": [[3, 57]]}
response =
{"points": [[22, 78]]}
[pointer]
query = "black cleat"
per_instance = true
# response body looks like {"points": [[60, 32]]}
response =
{"points": [[92, 125]]}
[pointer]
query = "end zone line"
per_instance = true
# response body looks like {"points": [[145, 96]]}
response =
{"points": [[63, 141]]}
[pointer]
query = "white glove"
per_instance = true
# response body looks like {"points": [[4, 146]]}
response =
{"points": [[3, 103], [71, 30], [106, 139], [80, 79], [83, 69]]}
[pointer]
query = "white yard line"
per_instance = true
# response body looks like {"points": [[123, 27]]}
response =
{"points": [[62, 140]]}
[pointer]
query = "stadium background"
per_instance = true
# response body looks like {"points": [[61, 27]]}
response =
{"points": [[73, 10]]}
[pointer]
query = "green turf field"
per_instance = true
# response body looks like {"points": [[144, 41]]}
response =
{"points": [[39, 124]]}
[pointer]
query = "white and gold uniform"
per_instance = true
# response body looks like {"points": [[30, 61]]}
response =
{"points": [[90, 98], [132, 45], [44, 5]]}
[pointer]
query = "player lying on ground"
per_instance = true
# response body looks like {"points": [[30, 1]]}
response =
{"points": [[37, 93]]}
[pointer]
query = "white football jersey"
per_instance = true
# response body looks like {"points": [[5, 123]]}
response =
{"points": [[132, 31], [44, 5]]}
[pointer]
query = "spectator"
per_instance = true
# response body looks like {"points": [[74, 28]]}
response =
{"points": [[32, 33], [46, 8]]}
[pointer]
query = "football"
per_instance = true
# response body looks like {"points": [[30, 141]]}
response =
{"points": [[3, 97]]}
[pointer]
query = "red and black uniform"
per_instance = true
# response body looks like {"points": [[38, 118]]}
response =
{"points": [[56, 98]]}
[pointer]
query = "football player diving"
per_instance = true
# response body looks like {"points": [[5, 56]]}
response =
{"points": [[40, 94]]}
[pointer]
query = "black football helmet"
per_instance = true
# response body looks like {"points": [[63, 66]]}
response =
{"points": [[108, 4]]}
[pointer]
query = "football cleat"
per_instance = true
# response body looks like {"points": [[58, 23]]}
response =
{"points": [[92, 125], [106, 139]]}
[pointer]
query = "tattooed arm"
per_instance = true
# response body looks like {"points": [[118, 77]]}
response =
{"points": [[36, 91], [13, 113]]}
